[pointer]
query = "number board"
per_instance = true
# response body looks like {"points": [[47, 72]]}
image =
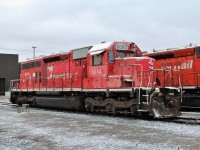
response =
{"points": [[121, 47]]}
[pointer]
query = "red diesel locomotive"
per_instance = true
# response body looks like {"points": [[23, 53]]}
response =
{"points": [[109, 77], [186, 61]]}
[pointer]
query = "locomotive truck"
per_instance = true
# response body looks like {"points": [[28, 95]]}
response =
{"points": [[109, 77], [186, 61]]}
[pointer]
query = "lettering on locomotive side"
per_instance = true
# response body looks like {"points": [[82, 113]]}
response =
{"points": [[50, 71], [188, 64], [96, 71], [185, 65]]}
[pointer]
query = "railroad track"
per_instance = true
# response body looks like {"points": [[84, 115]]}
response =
{"points": [[190, 117], [185, 118]]}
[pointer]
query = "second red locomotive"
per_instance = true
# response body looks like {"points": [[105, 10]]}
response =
{"points": [[185, 60], [109, 77]]}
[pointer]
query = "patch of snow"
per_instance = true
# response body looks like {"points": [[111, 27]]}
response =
{"points": [[101, 46]]}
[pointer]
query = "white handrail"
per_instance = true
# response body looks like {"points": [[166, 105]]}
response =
{"points": [[140, 79]]}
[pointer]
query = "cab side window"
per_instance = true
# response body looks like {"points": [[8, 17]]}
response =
{"points": [[97, 60], [111, 56], [197, 52]]}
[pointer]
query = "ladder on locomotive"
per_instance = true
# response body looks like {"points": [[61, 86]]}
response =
{"points": [[143, 93]]}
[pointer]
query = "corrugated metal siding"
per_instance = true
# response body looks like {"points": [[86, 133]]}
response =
{"points": [[9, 68], [81, 52]]}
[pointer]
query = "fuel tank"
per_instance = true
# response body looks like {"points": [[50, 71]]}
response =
{"points": [[72, 103]]}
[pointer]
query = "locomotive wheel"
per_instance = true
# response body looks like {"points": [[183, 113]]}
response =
{"points": [[110, 108], [89, 107], [133, 108]]}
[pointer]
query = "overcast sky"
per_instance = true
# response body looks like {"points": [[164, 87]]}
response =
{"points": [[61, 25]]}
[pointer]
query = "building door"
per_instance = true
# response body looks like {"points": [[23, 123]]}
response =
{"points": [[2, 86]]}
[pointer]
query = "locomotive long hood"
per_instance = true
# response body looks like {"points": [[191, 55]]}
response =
{"points": [[170, 53], [137, 61]]}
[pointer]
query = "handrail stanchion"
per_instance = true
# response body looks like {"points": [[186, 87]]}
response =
{"points": [[141, 76]]}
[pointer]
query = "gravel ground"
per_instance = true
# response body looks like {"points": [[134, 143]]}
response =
{"points": [[50, 129]]}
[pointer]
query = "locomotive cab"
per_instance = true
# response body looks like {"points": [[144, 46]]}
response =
{"points": [[130, 80]]}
